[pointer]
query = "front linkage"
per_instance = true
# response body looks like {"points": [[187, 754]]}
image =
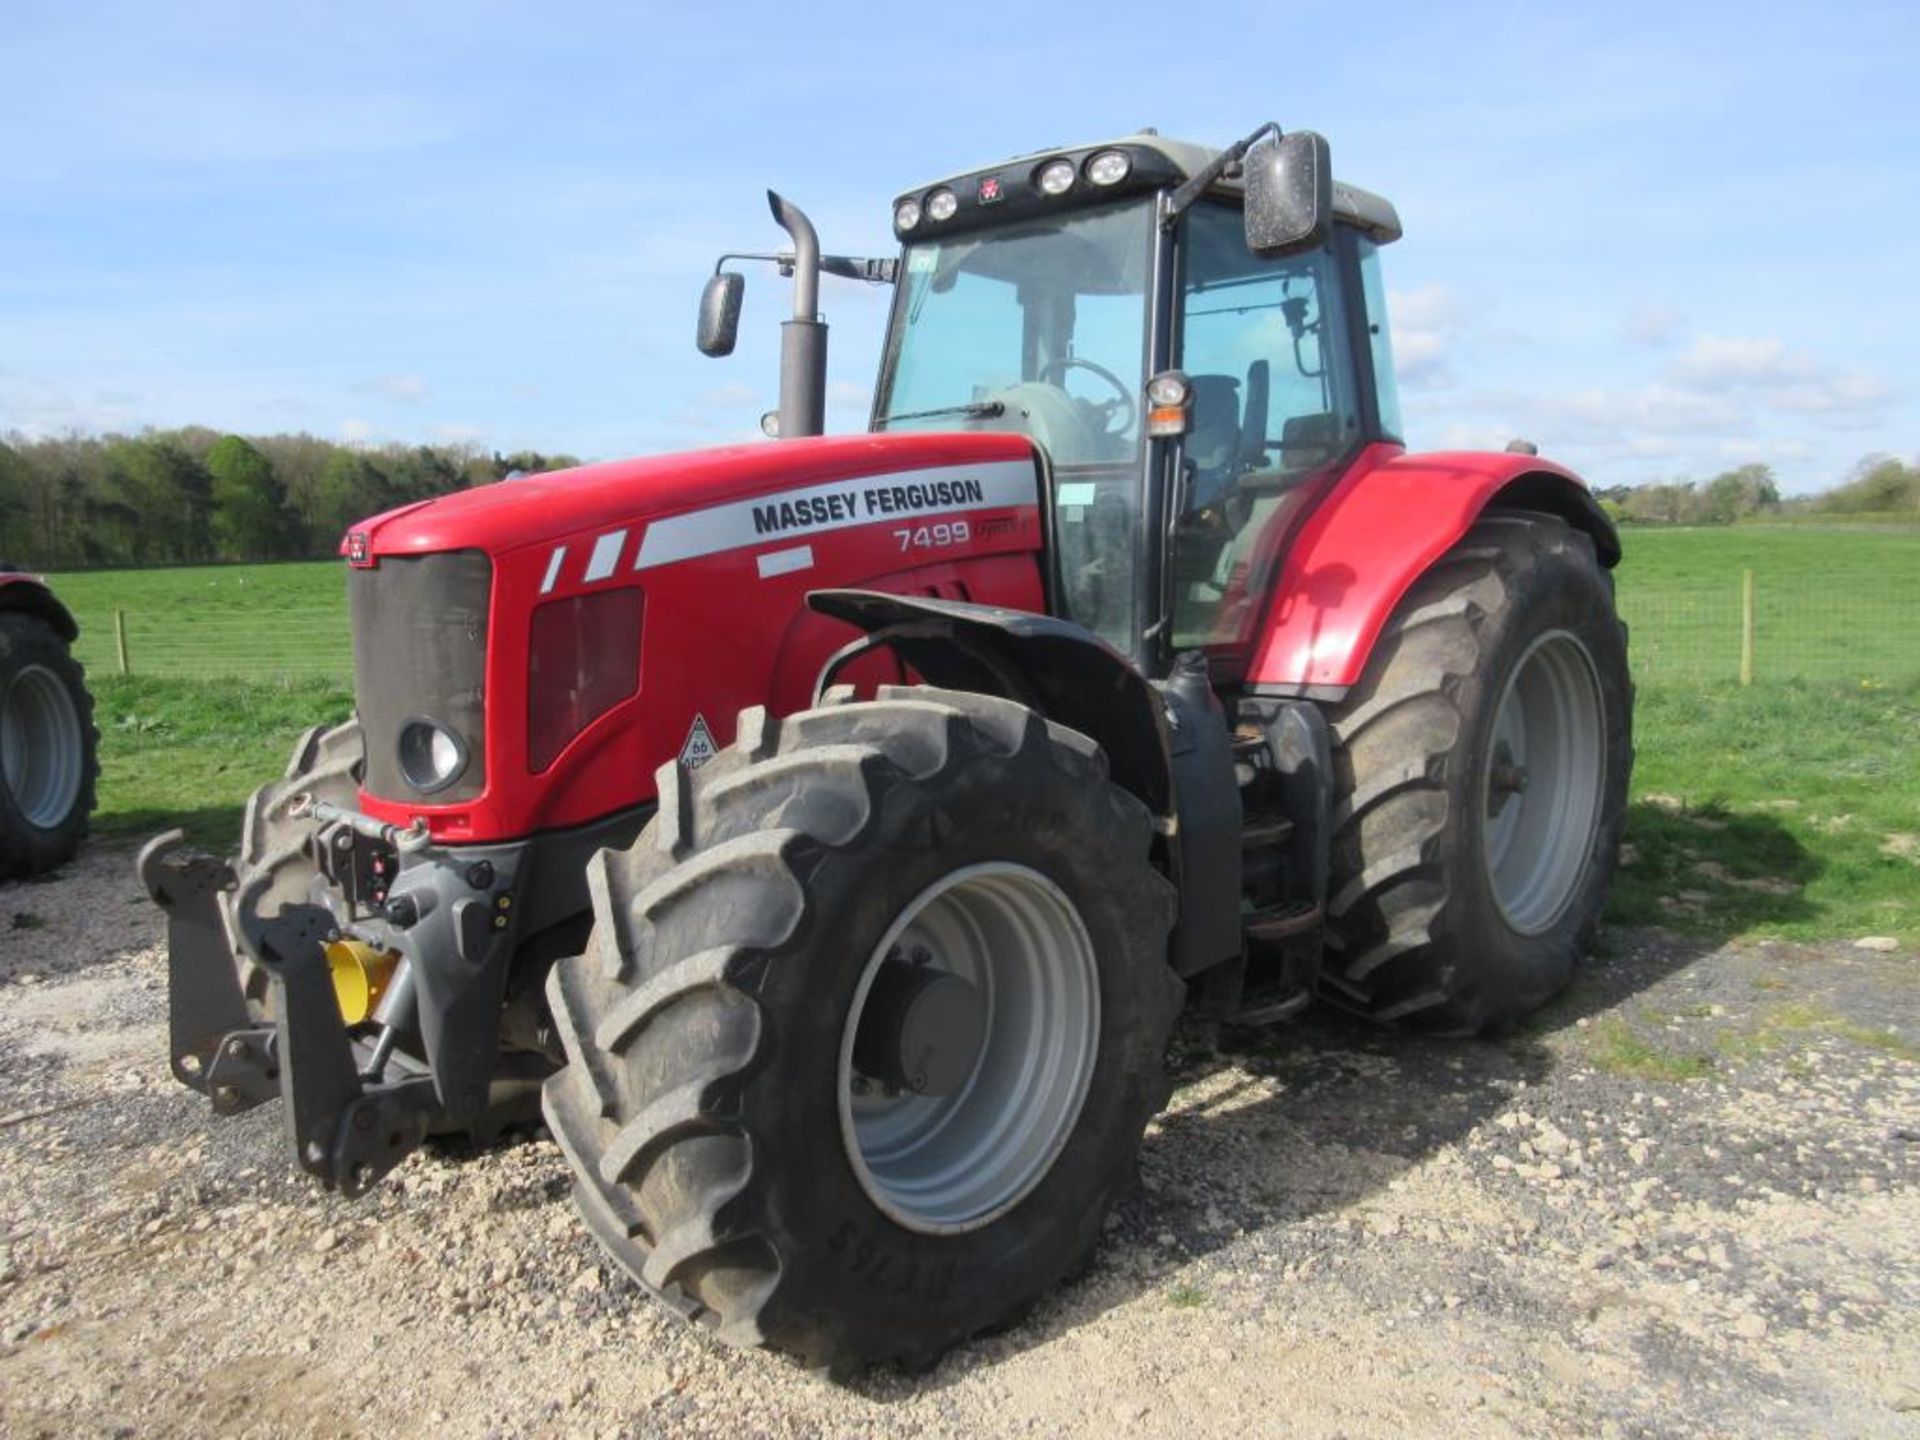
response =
{"points": [[320, 889], [356, 1101]]}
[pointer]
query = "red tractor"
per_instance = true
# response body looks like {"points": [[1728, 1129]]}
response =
{"points": [[48, 760], [825, 835]]}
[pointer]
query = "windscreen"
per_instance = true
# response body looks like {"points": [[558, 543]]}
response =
{"points": [[1041, 328]]}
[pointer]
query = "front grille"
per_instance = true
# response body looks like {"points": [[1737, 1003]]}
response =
{"points": [[420, 653]]}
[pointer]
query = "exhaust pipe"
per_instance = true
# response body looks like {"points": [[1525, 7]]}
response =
{"points": [[803, 339]]}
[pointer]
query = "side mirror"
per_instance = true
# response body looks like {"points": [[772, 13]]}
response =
{"points": [[720, 313], [1289, 205]]}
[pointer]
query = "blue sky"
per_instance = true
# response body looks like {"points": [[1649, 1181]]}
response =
{"points": [[1657, 239]]}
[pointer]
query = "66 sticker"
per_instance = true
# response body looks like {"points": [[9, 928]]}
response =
{"points": [[699, 747]]}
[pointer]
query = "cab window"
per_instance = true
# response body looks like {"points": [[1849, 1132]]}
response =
{"points": [[1264, 345]]}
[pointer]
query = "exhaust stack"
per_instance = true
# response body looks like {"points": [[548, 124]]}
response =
{"points": [[803, 339]]}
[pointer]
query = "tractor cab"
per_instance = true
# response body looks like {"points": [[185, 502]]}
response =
{"points": [[1181, 382], [1196, 339]]}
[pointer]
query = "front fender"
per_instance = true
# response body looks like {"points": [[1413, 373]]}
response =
{"points": [[28, 595], [1068, 673], [1390, 517]]}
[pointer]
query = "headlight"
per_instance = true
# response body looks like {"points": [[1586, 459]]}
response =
{"points": [[431, 757], [906, 215], [941, 204], [1056, 177], [1109, 167]]}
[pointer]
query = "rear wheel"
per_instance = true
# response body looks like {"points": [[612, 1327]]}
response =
{"points": [[48, 748], [1481, 768], [870, 1025]]}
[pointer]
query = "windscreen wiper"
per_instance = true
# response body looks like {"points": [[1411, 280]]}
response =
{"points": [[973, 410]]}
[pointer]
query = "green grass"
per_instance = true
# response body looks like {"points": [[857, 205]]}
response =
{"points": [[1617, 1048], [1830, 603], [1787, 809], [1182, 1296], [1791, 808], [186, 753], [258, 622]]}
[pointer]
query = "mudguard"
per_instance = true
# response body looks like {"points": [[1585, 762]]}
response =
{"points": [[1061, 669], [1166, 743], [28, 595], [1377, 531]]}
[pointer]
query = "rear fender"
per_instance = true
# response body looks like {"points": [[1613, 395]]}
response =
{"points": [[27, 595], [1390, 517]]}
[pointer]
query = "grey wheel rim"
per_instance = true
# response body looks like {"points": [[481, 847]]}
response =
{"points": [[41, 754], [955, 1162], [1542, 781]]}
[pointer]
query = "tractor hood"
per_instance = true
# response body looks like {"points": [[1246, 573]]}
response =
{"points": [[629, 494], [527, 654]]}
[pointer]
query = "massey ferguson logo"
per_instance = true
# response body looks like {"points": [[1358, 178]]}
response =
{"points": [[779, 516]]}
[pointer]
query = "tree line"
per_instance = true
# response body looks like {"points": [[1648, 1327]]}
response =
{"points": [[194, 495], [1879, 485]]}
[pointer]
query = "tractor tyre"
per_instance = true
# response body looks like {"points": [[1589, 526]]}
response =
{"points": [[49, 750], [872, 1019], [327, 764], [1480, 774]]}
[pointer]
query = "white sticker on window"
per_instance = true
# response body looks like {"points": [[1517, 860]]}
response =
{"points": [[1078, 492]]}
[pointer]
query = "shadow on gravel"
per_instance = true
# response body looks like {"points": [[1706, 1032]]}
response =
{"points": [[1271, 1128]]}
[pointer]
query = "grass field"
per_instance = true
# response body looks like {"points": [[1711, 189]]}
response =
{"points": [[256, 622], [1790, 808], [1830, 603]]}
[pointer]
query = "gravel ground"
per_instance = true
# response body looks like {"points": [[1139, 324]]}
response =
{"points": [[1684, 1204]]}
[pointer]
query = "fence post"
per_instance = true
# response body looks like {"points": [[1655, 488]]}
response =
{"points": [[1746, 627], [120, 640]]}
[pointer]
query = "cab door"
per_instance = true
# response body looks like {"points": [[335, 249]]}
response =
{"points": [[1267, 346]]}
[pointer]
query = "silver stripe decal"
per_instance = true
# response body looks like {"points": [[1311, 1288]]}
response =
{"points": [[606, 555], [785, 562], [554, 562], [864, 500]]}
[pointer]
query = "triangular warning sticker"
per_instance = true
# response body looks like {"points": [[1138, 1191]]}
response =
{"points": [[699, 747]]}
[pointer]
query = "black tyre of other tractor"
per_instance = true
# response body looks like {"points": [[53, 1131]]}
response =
{"points": [[49, 750], [728, 1150], [1481, 770]]}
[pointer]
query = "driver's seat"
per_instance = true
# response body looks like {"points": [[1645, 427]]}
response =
{"points": [[1213, 439]]}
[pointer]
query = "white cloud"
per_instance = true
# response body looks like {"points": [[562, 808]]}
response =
{"points": [[405, 389], [1652, 325], [1764, 371], [731, 396], [1428, 324], [849, 395], [356, 432]]}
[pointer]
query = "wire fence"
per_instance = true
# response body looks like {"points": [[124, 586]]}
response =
{"points": [[1756, 628], [1858, 626]]}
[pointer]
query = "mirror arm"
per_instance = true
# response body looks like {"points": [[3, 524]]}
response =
{"points": [[1177, 203]]}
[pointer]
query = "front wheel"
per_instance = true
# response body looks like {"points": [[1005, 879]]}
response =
{"points": [[1480, 771], [870, 1025]]}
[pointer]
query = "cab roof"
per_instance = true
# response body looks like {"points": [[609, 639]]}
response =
{"points": [[1366, 211]]}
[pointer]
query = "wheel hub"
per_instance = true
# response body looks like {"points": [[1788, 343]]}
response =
{"points": [[1543, 776], [42, 753], [920, 1031], [968, 1049]]}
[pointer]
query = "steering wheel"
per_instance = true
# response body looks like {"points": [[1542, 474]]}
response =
{"points": [[1054, 372]]}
